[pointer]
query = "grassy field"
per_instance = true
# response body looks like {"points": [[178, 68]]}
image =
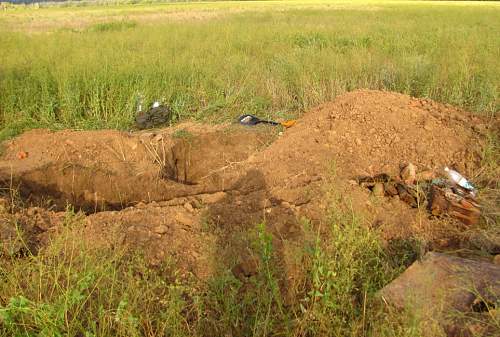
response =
{"points": [[87, 67], [72, 289]]}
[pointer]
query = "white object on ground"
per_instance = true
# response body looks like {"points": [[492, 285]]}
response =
{"points": [[460, 180]]}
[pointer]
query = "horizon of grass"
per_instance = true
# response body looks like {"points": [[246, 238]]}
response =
{"points": [[274, 64]]}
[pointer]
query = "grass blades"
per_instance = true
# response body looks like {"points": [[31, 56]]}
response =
{"points": [[72, 288], [269, 63]]}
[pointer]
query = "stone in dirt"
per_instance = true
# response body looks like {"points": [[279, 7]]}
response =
{"points": [[390, 189], [378, 190], [450, 290], [408, 174]]}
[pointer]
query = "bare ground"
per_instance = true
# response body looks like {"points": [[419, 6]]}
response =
{"points": [[188, 193]]}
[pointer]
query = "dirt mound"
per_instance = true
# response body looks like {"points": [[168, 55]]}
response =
{"points": [[194, 189]]}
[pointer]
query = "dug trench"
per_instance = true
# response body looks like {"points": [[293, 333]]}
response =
{"points": [[188, 192]]}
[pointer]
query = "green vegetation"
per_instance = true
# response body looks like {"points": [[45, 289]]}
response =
{"points": [[112, 26], [89, 67], [215, 61], [73, 289]]}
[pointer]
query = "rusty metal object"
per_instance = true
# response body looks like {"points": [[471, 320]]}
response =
{"points": [[444, 201]]}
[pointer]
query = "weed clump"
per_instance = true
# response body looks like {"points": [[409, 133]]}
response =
{"points": [[112, 26]]}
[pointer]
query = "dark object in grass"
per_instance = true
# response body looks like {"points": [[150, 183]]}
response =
{"points": [[153, 117], [251, 120]]}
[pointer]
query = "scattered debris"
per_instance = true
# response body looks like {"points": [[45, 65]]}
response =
{"points": [[413, 195], [156, 116], [251, 120], [232, 176], [451, 197], [452, 290]]}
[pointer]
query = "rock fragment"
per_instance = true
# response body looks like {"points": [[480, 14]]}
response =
{"points": [[408, 173], [160, 229], [443, 287]]}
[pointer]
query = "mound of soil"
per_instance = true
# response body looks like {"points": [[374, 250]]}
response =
{"points": [[189, 192]]}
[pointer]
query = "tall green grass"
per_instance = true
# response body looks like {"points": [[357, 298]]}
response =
{"points": [[72, 288], [271, 63]]}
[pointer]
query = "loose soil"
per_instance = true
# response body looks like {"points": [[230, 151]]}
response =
{"points": [[190, 193]]}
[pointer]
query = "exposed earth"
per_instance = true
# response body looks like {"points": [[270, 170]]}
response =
{"points": [[188, 192]]}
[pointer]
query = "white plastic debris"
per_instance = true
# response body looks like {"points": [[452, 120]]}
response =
{"points": [[460, 180]]}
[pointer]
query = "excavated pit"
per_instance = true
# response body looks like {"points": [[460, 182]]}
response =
{"points": [[111, 170], [160, 191]]}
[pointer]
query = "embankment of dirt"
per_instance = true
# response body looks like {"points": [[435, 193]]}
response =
{"points": [[187, 192]]}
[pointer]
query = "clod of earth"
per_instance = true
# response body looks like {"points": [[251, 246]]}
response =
{"points": [[409, 174], [134, 186], [22, 155], [451, 290]]}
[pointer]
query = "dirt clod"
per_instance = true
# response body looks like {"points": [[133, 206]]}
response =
{"points": [[22, 155]]}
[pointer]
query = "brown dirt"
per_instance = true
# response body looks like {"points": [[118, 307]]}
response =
{"points": [[190, 193]]}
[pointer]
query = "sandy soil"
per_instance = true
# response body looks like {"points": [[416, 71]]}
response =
{"points": [[187, 193]]}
